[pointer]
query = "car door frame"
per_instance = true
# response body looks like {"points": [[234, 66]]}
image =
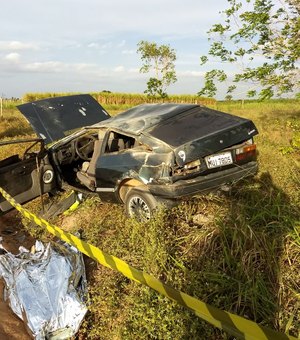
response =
{"points": [[36, 166], [108, 178]]}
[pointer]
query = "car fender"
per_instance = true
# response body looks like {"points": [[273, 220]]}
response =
{"points": [[127, 182]]}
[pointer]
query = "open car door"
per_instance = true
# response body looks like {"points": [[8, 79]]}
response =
{"points": [[28, 176]]}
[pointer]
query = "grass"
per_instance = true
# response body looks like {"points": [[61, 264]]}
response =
{"points": [[108, 98], [13, 126], [237, 251]]}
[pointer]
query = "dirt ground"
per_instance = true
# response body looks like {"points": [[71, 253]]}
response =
{"points": [[13, 236]]}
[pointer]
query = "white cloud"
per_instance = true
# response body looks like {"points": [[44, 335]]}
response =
{"points": [[122, 43], [17, 46], [134, 70], [83, 67], [128, 51], [107, 45], [119, 69], [13, 57], [60, 67], [93, 45], [48, 66], [190, 73], [101, 48]]}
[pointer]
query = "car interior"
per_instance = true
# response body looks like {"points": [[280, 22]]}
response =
{"points": [[115, 143]]}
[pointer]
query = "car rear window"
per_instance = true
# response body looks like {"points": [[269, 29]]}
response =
{"points": [[194, 124]]}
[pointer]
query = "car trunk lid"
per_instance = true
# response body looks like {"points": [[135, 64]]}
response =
{"points": [[56, 117], [201, 131]]}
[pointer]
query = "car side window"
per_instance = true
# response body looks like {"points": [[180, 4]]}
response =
{"points": [[118, 142]]}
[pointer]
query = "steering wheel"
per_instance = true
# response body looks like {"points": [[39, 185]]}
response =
{"points": [[84, 147]]}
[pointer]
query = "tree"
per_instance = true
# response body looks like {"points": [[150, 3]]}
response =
{"points": [[262, 37], [160, 60]]}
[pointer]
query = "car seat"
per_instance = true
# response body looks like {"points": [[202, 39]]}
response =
{"points": [[87, 174]]}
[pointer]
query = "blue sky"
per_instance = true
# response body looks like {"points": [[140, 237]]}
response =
{"points": [[83, 46]]}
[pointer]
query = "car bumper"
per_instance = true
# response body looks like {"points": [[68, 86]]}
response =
{"points": [[203, 183]]}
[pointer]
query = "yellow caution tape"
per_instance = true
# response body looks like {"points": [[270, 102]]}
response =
{"points": [[233, 324], [74, 206]]}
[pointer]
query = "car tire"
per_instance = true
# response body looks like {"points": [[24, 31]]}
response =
{"points": [[140, 204]]}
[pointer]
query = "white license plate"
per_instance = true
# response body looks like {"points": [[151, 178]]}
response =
{"points": [[221, 159]]}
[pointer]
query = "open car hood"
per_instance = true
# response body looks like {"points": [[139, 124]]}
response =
{"points": [[56, 117]]}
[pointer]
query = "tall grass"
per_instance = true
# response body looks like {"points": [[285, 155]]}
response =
{"points": [[107, 98], [238, 251], [13, 126]]}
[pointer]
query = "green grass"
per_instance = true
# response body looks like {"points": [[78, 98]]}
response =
{"points": [[239, 252]]}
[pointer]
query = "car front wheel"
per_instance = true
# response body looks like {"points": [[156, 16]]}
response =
{"points": [[140, 204]]}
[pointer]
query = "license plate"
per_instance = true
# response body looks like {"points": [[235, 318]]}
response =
{"points": [[221, 159]]}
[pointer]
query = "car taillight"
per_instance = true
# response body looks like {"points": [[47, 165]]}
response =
{"points": [[247, 152]]}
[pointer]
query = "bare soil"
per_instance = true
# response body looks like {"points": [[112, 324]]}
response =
{"points": [[13, 235]]}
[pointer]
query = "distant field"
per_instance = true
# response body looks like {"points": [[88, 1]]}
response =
{"points": [[127, 98], [239, 252]]}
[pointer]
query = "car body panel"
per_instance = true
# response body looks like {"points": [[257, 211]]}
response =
{"points": [[144, 117], [27, 177], [209, 130], [205, 183], [200, 122], [53, 118], [135, 163], [112, 167], [216, 142]]}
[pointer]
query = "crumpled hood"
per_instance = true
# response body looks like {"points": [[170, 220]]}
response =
{"points": [[56, 117]]}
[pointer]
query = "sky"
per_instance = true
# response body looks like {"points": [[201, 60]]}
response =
{"points": [[90, 45]]}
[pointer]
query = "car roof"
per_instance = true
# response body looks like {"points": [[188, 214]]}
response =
{"points": [[175, 124], [145, 117]]}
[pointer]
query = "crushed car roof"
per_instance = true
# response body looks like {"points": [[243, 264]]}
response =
{"points": [[178, 124], [56, 117], [143, 117]]}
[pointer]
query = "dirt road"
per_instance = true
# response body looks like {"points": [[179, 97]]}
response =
{"points": [[13, 235]]}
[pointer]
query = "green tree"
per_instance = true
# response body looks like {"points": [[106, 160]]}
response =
{"points": [[160, 61], [261, 38]]}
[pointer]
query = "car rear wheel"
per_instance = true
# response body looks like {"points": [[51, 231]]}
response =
{"points": [[140, 204]]}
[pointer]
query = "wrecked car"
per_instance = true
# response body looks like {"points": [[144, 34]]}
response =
{"points": [[148, 155]]}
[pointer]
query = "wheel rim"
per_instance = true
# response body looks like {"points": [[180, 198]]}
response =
{"points": [[139, 208]]}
